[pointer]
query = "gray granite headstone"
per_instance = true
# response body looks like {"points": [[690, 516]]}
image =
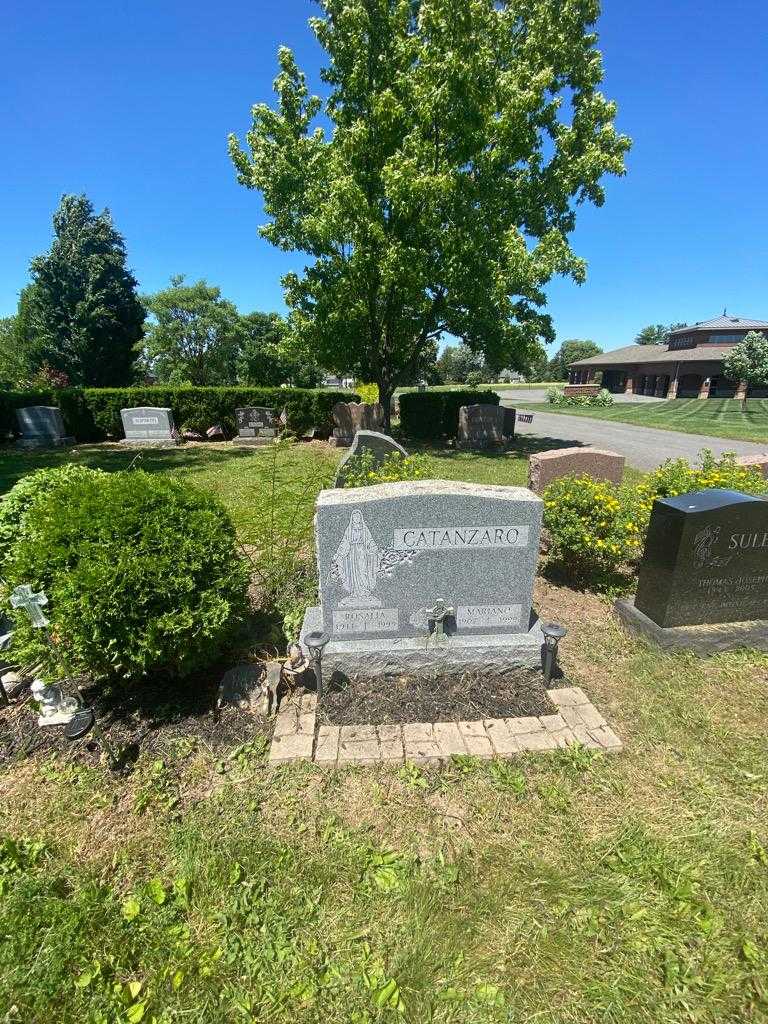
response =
{"points": [[256, 424], [481, 426], [41, 426], [379, 445], [388, 555], [150, 426]]}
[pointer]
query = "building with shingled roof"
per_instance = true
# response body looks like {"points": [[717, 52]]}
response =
{"points": [[688, 365]]}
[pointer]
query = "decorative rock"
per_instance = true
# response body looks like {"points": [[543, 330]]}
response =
{"points": [[149, 427], [598, 463], [483, 426], [241, 687], [42, 426], [349, 417], [13, 683], [55, 707], [380, 446]]}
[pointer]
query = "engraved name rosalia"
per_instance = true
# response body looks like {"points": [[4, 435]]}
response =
{"points": [[457, 538]]}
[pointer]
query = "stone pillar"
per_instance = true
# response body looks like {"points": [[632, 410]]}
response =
{"points": [[741, 391], [672, 390], [704, 388], [629, 387]]}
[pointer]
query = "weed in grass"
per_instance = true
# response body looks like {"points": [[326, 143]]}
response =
{"points": [[506, 775]]}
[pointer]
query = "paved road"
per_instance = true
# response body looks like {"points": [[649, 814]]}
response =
{"points": [[643, 447]]}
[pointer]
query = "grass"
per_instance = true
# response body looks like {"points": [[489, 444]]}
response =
{"points": [[568, 888], [715, 417]]}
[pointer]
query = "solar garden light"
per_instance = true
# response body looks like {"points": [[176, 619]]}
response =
{"points": [[553, 634], [316, 642]]}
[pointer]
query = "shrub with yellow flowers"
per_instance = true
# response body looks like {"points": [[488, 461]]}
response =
{"points": [[591, 524], [676, 476], [362, 471]]}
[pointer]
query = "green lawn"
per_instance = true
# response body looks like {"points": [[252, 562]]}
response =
{"points": [[716, 417], [568, 888]]}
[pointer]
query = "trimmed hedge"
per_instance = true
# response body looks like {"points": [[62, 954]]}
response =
{"points": [[430, 415], [91, 414]]}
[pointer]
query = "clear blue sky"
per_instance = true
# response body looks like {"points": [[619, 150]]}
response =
{"points": [[130, 101]]}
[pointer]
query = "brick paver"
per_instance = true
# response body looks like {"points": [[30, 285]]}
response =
{"points": [[576, 721]]}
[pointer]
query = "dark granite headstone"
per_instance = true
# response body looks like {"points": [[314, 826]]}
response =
{"points": [[705, 560], [256, 421], [41, 426], [510, 416]]}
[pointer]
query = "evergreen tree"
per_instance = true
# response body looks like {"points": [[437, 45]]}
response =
{"points": [[81, 312]]}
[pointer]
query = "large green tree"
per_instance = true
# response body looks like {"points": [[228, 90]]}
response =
{"points": [[570, 352], [270, 353], [193, 335], [656, 334], [748, 361], [464, 133], [81, 312], [456, 362]]}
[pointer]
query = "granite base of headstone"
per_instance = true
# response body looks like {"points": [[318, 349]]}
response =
{"points": [[598, 463], [149, 427], [483, 427], [379, 445], [349, 417], [42, 426], [256, 425], [427, 577], [703, 578]]}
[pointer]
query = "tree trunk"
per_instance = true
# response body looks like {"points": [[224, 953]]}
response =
{"points": [[385, 398]]}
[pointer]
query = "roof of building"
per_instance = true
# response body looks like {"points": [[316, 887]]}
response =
{"points": [[723, 323], [656, 354]]}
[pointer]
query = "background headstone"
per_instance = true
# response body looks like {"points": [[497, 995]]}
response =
{"points": [[510, 416], [349, 417], [42, 426], [595, 462], [256, 425], [388, 555], [758, 462], [482, 426], [380, 446], [705, 560], [150, 426]]}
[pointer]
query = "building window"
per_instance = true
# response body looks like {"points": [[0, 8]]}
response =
{"points": [[725, 339], [687, 342]]}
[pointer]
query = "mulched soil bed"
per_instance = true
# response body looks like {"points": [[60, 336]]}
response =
{"points": [[150, 717], [519, 692]]}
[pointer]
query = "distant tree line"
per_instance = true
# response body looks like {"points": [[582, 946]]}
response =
{"points": [[81, 321]]}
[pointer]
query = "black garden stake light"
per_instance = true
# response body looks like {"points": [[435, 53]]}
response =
{"points": [[315, 645], [553, 634]]}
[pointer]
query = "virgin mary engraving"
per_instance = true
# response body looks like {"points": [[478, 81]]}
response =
{"points": [[355, 566]]}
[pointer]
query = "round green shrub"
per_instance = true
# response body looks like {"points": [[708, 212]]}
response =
{"points": [[22, 496], [142, 575]]}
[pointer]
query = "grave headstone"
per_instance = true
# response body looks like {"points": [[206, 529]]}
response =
{"points": [[483, 426], [149, 427], [379, 445], [427, 575], [349, 417], [705, 559], [256, 425], [42, 426], [758, 462], [598, 463]]}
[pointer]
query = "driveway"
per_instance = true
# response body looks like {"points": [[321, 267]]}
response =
{"points": [[644, 448]]}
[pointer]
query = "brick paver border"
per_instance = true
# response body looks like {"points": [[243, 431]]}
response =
{"points": [[577, 721]]}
